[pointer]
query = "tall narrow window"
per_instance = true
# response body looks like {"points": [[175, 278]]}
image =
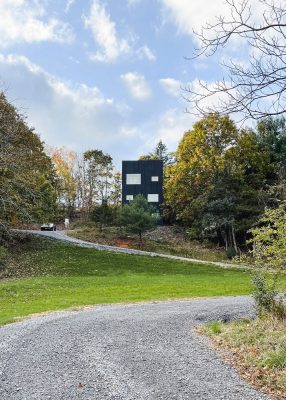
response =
{"points": [[153, 198], [133, 179]]}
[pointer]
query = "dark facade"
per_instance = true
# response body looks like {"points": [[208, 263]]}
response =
{"points": [[143, 177]]}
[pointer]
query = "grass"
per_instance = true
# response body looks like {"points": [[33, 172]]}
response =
{"points": [[258, 350], [42, 275], [183, 248]]}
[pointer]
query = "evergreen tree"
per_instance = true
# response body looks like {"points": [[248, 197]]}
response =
{"points": [[138, 216]]}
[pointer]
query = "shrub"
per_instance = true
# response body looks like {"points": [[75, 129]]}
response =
{"points": [[264, 294], [266, 297]]}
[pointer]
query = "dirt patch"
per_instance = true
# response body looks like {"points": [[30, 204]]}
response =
{"points": [[124, 243]]}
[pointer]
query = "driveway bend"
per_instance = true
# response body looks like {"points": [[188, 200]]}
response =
{"points": [[122, 352], [61, 235]]}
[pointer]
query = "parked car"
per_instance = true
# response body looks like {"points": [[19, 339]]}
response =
{"points": [[48, 227]]}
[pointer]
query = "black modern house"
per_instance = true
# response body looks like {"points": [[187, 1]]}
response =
{"points": [[143, 177]]}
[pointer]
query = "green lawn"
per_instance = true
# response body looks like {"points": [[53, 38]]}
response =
{"points": [[44, 275]]}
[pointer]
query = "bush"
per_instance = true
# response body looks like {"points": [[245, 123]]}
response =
{"points": [[263, 294], [267, 299]]}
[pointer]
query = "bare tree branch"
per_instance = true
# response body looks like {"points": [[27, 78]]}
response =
{"points": [[253, 89]]}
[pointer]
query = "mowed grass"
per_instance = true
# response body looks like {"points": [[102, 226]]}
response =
{"points": [[43, 275]]}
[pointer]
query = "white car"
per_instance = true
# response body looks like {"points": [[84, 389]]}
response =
{"points": [[48, 227]]}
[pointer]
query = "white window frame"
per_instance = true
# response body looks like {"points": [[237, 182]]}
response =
{"points": [[133, 179], [129, 197], [154, 178], [153, 198]]}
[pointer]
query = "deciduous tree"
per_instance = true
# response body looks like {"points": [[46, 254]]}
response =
{"points": [[27, 177]]}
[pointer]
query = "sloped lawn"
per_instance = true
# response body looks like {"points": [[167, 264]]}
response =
{"points": [[42, 275]]}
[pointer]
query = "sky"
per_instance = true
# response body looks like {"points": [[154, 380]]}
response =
{"points": [[105, 74]]}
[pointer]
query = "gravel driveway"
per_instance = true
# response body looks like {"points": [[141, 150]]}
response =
{"points": [[139, 351]]}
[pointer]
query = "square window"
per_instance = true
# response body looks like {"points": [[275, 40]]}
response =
{"points": [[133, 179], [153, 198], [129, 197], [154, 178]]}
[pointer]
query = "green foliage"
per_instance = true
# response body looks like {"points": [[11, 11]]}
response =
{"points": [[138, 216], [103, 215], [269, 239], [264, 294], [272, 136], [27, 177], [222, 178], [159, 153], [95, 179]]}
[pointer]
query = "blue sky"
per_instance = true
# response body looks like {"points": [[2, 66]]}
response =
{"points": [[104, 74]]}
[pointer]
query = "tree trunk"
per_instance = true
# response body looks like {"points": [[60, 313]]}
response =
{"points": [[234, 239]]}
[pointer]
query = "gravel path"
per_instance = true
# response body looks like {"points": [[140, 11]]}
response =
{"points": [[121, 352], [61, 235]]}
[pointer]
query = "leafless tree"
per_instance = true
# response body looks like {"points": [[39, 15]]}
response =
{"points": [[256, 88]]}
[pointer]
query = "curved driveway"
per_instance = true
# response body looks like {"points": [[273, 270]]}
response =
{"points": [[61, 235], [121, 352]]}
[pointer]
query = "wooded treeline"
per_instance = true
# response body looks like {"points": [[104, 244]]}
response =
{"points": [[85, 181], [223, 178], [39, 184], [27, 176], [217, 184]]}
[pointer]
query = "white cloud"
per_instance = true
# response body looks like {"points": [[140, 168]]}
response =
{"points": [[145, 52], [190, 15], [69, 4], [105, 34], [171, 86], [81, 117], [26, 21], [137, 86], [64, 114], [81, 94], [171, 127]]}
